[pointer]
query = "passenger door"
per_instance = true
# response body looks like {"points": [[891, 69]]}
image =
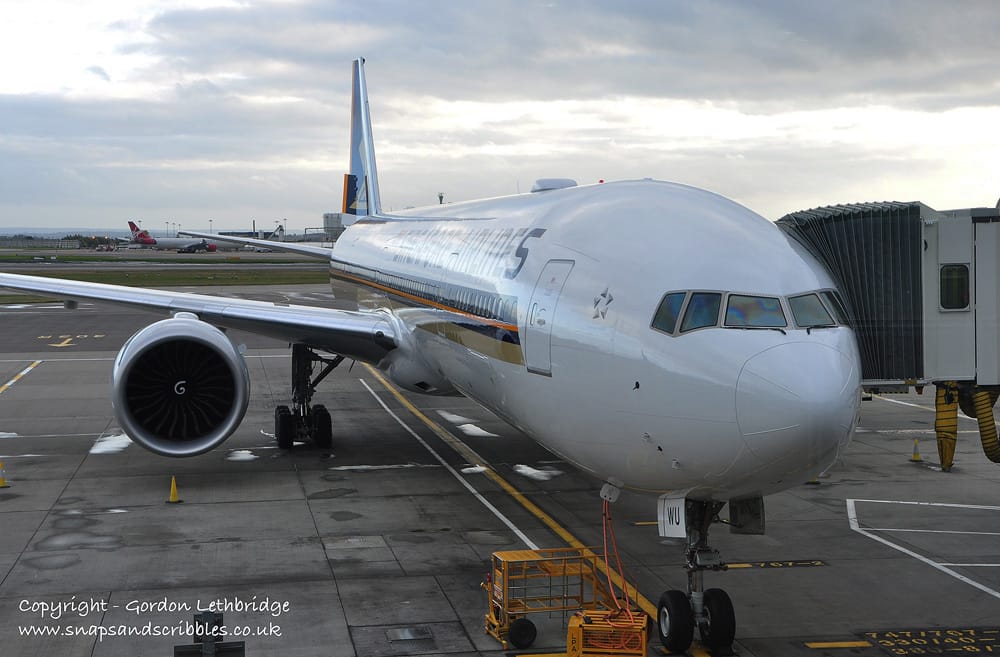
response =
{"points": [[541, 314]]}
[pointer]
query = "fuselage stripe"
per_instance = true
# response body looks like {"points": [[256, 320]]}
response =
{"points": [[351, 278]]}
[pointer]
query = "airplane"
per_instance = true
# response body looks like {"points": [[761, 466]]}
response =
{"points": [[660, 337], [182, 244]]}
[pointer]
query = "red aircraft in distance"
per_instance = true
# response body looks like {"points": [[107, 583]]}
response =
{"points": [[182, 244]]}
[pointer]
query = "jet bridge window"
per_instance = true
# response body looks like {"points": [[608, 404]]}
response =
{"points": [[669, 311], [954, 287], [808, 311], [747, 311], [702, 310]]}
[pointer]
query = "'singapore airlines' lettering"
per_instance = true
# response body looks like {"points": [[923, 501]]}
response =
{"points": [[478, 251], [522, 252]]}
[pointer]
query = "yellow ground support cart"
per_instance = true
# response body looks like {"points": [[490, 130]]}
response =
{"points": [[603, 633], [558, 580]]}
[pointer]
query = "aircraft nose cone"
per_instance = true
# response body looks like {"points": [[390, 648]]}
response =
{"points": [[796, 403]]}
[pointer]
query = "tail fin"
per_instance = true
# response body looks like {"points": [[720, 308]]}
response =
{"points": [[136, 233], [361, 184]]}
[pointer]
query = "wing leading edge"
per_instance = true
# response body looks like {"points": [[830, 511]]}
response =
{"points": [[310, 250], [363, 335]]}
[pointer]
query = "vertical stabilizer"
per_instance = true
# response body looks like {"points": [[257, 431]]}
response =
{"points": [[361, 184]]}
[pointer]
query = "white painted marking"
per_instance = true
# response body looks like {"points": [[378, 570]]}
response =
{"points": [[943, 504], [973, 565], [19, 456], [495, 511], [58, 360], [852, 517], [475, 469], [454, 419], [930, 531], [539, 475], [110, 444], [932, 410], [7, 434], [271, 436], [395, 466], [929, 432], [60, 435], [241, 455], [473, 430]]}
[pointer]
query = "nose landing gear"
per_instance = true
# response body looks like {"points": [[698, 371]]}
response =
{"points": [[711, 610]]}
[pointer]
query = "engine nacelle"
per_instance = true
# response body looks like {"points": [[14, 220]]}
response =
{"points": [[180, 387]]}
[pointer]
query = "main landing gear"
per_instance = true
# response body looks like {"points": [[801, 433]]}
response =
{"points": [[710, 610], [304, 421]]}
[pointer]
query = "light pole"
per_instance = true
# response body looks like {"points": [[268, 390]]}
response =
{"points": [[210, 225], [166, 229]]}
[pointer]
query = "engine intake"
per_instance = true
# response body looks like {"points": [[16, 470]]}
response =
{"points": [[180, 387]]}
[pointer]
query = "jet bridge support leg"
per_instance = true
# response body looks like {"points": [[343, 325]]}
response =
{"points": [[946, 422]]}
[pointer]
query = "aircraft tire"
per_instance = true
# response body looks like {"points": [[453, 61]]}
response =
{"points": [[322, 429], [522, 633], [719, 630], [675, 621], [284, 427]]}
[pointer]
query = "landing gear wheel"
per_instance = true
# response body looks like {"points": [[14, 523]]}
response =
{"points": [[322, 429], [719, 628], [522, 633], [676, 621], [284, 427]]}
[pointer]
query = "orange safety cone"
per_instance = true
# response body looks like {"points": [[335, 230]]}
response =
{"points": [[3, 477], [916, 458], [173, 492]]}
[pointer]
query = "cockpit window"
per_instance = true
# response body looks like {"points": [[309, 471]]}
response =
{"points": [[702, 310], [669, 311], [754, 311], [808, 310], [836, 305]]}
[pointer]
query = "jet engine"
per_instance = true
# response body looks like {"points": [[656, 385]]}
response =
{"points": [[179, 386]]}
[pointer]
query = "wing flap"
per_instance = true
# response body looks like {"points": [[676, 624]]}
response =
{"points": [[364, 335]]}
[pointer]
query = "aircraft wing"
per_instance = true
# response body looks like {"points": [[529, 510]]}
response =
{"points": [[291, 247], [364, 335]]}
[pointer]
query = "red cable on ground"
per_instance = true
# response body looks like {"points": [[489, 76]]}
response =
{"points": [[609, 528]]}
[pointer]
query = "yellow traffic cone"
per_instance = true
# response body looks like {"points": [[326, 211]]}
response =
{"points": [[173, 492], [3, 477], [916, 458]]}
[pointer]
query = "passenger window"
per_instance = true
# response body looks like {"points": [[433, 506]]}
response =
{"points": [[836, 305], [754, 311], [954, 287], [808, 310], [666, 315], [702, 310]]}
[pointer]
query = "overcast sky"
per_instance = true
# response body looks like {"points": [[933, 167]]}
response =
{"points": [[184, 111]]}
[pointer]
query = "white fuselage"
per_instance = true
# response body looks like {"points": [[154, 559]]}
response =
{"points": [[539, 307]]}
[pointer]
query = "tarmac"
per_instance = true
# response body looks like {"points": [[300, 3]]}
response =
{"points": [[380, 545]]}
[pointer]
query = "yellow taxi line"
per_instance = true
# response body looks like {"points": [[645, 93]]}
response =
{"points": [[475, 459], [19, 376]]}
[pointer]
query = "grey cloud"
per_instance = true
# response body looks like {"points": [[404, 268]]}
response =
{"points": [[99, 72], [766, 53], [764, 56]]}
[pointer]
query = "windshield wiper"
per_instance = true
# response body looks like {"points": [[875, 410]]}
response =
{"points": [[759, 328]]}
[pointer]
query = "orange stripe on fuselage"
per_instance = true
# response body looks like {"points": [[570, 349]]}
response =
{"points": [[385, 288]]}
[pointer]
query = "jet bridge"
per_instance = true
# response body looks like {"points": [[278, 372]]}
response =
{"points": [[922, 288]]}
